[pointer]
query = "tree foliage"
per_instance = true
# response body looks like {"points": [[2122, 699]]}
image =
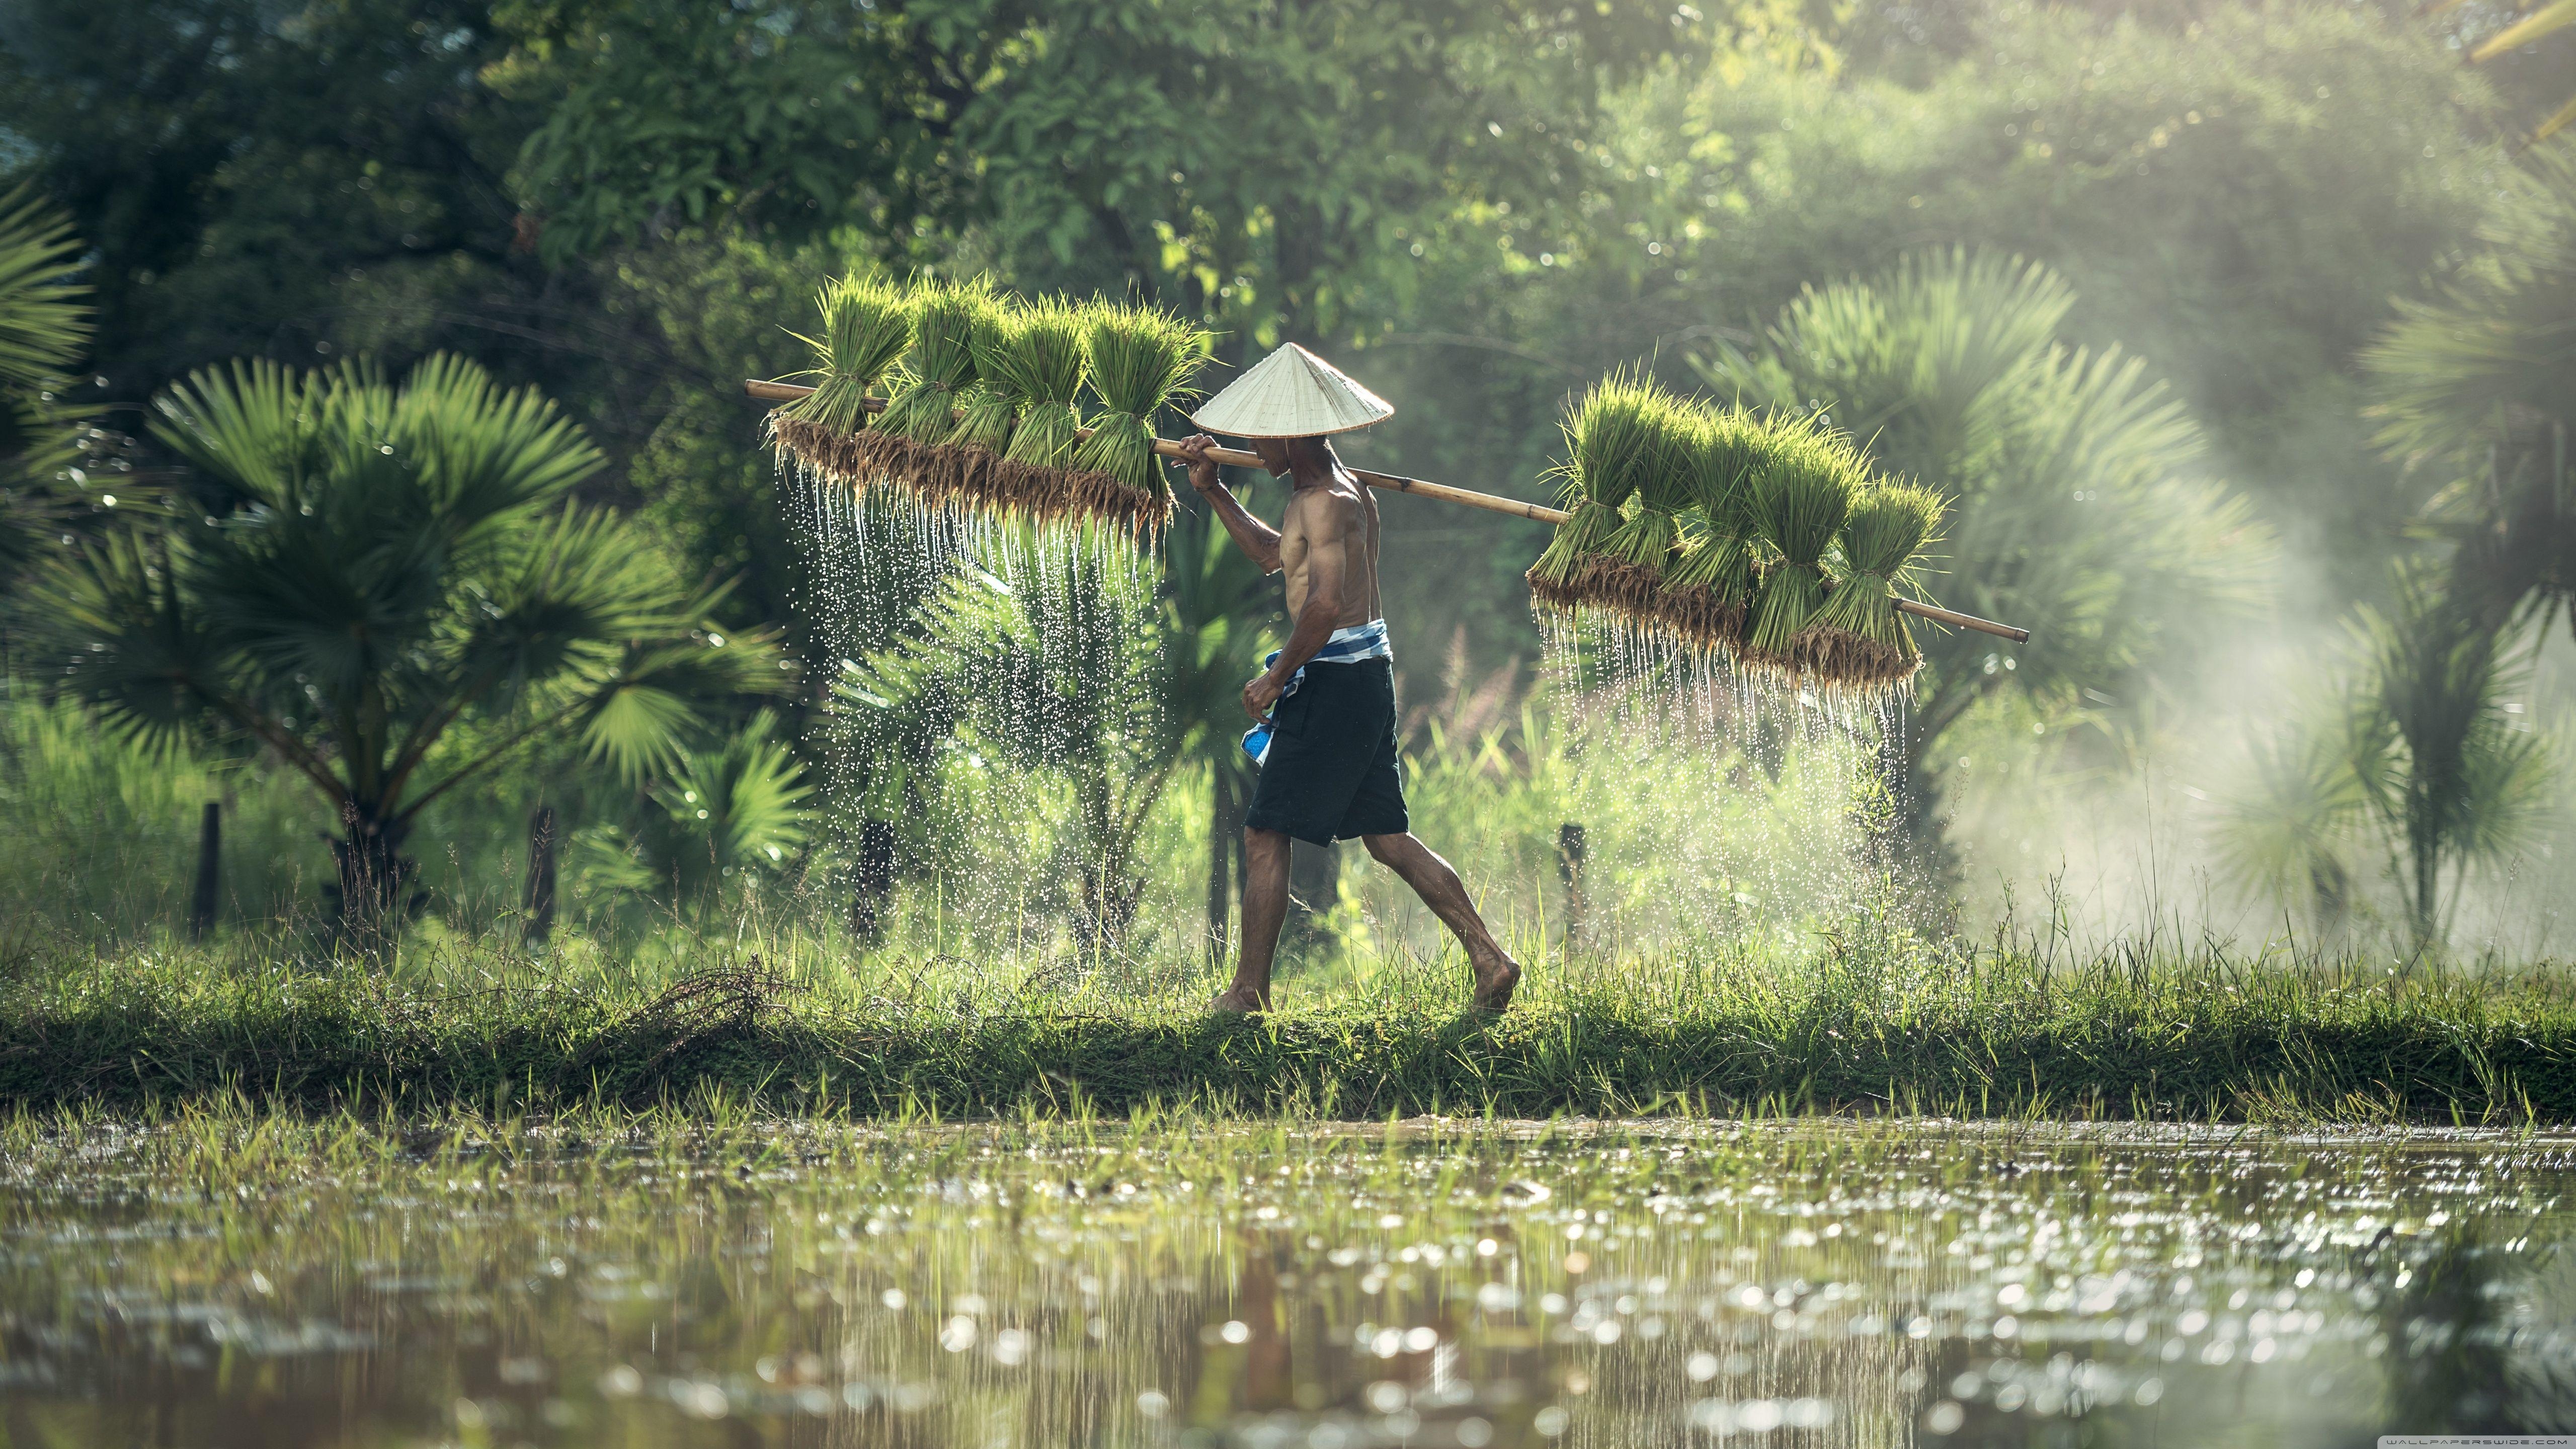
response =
{"points": [[1256, 163], [400, 560], [2477, 390], [272, 179], [2442, 766], [44, 325], [1052, 679], [2080, 504], [723, 819]]}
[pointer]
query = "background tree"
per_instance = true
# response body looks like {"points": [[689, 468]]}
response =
{"points": [[1047, 696], [1651, 181], [293, 181], [2476, 390], [723, 820], [2077, 497], [2296, 824], [1255, 164], [400, 599], [2445, 771], [57, 473]]}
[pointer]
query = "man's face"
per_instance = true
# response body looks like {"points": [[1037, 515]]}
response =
{"points": [[1273, 453]]}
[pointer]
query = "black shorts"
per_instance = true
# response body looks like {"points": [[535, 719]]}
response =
{"points": [[1332, 772]]}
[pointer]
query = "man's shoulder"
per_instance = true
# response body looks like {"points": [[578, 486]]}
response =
{"points": [[1338, 502]]}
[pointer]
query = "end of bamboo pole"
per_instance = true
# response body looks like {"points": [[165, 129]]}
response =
{"points": [[1957, 620]]}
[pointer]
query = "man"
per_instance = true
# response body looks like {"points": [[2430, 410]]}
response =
{"points": [[1324, 709]]}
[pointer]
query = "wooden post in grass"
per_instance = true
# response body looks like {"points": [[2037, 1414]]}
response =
{"points": [[1570, 851], [209, 886], [540, 896], [1314, 888], [872, 881], [1227, 800]]}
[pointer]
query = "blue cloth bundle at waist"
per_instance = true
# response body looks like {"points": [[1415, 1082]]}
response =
{"points": [[1347, 646]]}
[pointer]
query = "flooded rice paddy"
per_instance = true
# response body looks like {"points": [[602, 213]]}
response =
{"points": [[246, 1281]]}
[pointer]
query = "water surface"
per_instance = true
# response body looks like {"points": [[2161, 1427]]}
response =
{"points": [[241, 1283]]}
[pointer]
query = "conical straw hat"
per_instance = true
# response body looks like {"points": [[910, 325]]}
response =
{"points": [[1292, 393]]}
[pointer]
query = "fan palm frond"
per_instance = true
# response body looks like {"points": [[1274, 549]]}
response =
{"points": [[44, 312]]}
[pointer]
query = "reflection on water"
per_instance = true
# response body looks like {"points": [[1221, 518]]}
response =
{"points": [[1264, 1286]]}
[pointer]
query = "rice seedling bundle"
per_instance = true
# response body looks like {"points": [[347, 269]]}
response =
{"points": [[867, 326], [988, 410], [921, 414], [1046, 372], [1613, 436], [1709, 586], [942, 360], [1630, 572], [1857, 639], [1801, 498], [1141, 358]]}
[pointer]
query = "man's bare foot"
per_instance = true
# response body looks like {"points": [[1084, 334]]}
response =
{"points": [[1243, 1001], [1495, 980]]}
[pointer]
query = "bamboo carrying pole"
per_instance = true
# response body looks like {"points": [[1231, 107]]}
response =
{"points": [[1424, 488]]}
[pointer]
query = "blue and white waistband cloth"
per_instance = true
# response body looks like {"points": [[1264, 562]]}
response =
{"points": [[1347, 646]]}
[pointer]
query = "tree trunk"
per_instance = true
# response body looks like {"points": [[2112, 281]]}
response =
{"points": [[1314, 886], [1108, 883], [539, 899], [872, 882], [1572, 849], [209, 884], [2428, 887]]}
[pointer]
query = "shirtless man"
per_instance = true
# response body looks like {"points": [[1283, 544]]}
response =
{"points": [[1329, 771]]}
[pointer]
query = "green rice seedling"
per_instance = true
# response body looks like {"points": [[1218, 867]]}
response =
{"points": [[924, 412], [1709, 585], [1857, 638], [1801, 498], [1613, 437], [867, 325], [942, 361], [1141, 359], [1630, 574], [990, 409], [1046, 370]]}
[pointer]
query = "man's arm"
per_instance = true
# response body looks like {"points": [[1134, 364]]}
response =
{"points": [[1327, 569], [1258, 540]]}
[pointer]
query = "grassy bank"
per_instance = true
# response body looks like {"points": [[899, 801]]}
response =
{"points": [[1877, 1019]]}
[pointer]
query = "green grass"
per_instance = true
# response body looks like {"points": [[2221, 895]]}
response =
{"points": [[1876, 1020]]}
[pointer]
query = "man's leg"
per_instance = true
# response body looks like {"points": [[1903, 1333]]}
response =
{"points": [[1265, 906], [1438, 885]]}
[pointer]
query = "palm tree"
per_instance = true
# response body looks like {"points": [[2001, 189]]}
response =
{"points": [[2077, 493], [401, 597], [1055, 674], [2478, 390], [44, 326], [2443, 769], [2294, 828], [725, 818], [1072, 670]]}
